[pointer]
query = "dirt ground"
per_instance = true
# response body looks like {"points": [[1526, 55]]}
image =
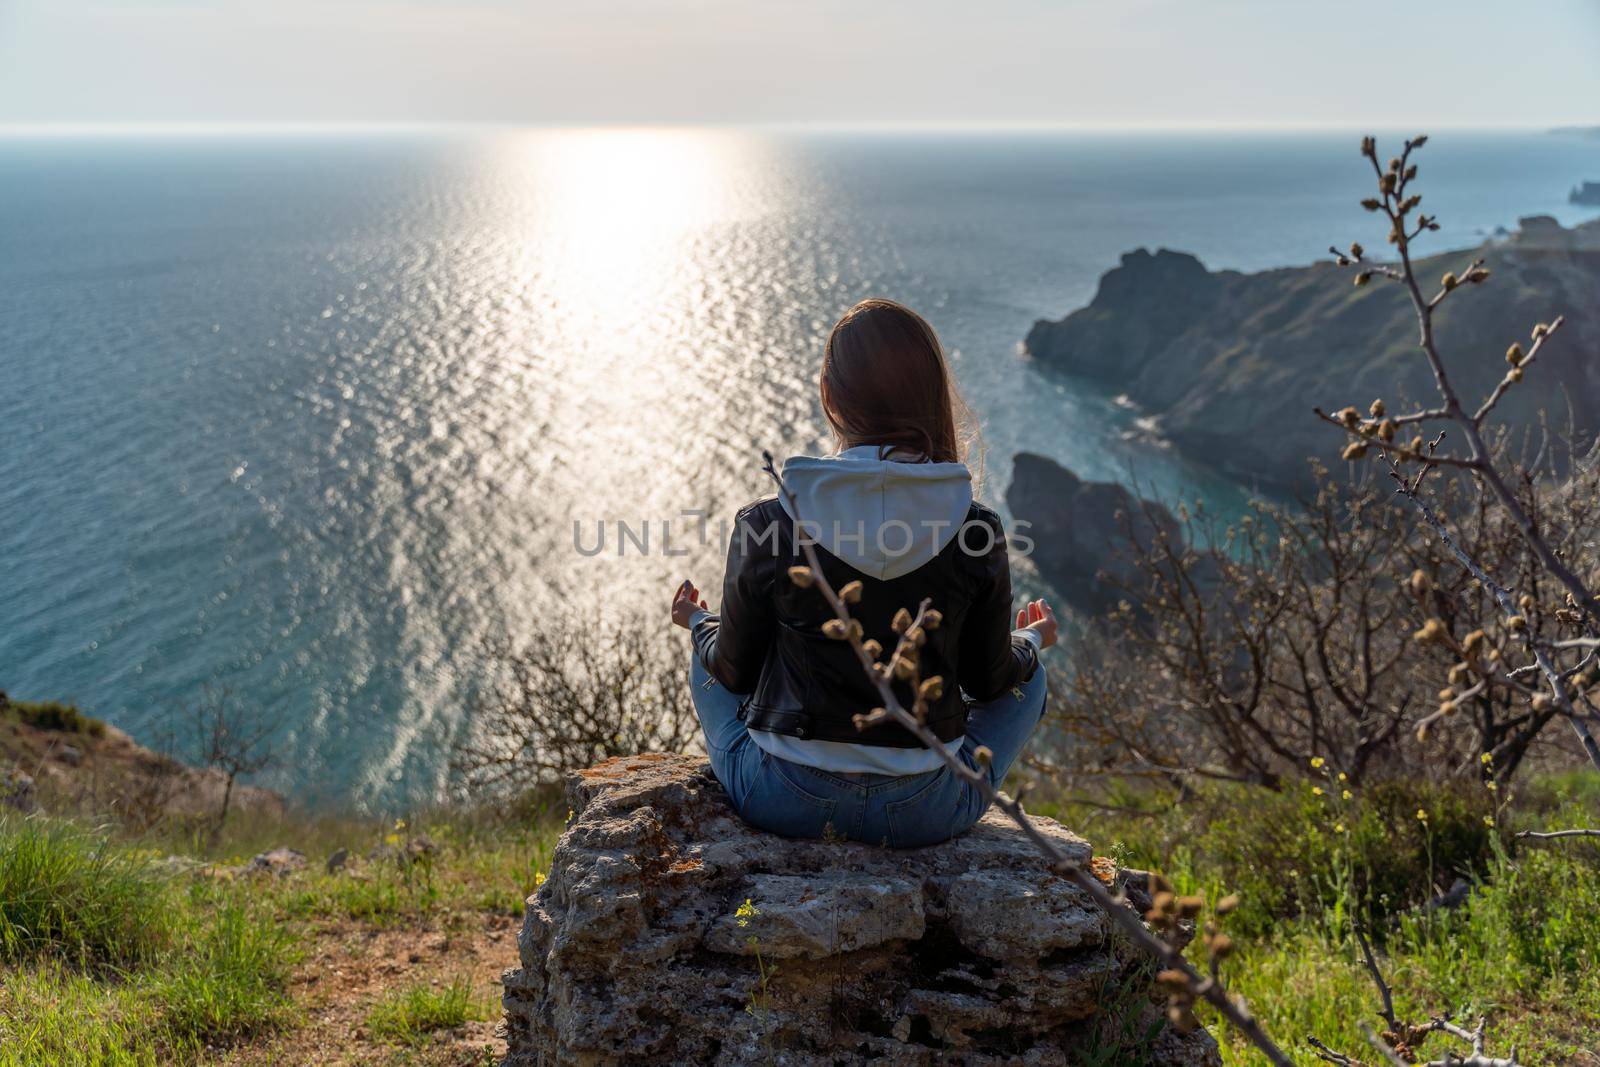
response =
{"points": [[350, 967]]}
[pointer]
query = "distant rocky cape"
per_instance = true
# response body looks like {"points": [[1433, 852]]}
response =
{"points": [[1231, 364]]}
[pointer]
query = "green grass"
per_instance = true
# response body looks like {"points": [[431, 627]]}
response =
{"points": [[51, 1014], [1300, 853], [72, 895], [480, 864], [104, 958], [52, 715], [109, 955], [1520, 951], [410, 1015], [228, 981]]}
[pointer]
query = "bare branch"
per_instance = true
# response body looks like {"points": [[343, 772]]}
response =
{"points": [[1551, 835], [1512, 376], [1377, 979]]}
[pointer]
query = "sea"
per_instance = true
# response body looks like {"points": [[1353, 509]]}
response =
{"points": [[308, 416]]}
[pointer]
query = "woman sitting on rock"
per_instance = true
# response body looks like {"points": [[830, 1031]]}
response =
{"points": [[892, 509]]}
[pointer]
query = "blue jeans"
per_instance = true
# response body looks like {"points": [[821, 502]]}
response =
{"points": [[902, 811]]}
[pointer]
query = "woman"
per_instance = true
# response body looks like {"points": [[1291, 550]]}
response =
{"points": [[893, 509]]}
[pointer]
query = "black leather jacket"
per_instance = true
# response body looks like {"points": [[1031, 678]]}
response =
{"points": [[768, 641]]}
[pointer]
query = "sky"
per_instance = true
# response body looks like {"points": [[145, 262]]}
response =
{"points": [[828, 62]]}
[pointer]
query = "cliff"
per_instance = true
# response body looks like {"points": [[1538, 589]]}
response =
{"points": [[55, 758], [1089, 524], [1232, 363]]}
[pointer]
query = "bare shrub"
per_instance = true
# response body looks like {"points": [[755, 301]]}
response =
{"points": [[146, 796], [1246, 652], [571, 695], [1538, 624], [231, 739], [1542, 648]]}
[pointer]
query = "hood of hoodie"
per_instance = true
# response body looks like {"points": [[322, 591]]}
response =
{"points": [[883, 517]]}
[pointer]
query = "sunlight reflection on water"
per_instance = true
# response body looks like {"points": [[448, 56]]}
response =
{"points": [[309, 418]]}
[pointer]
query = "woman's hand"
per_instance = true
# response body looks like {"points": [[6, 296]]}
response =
{"points": [[685, 602], [1036, 615]]}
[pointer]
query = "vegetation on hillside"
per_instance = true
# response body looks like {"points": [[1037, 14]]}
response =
{"points": [[124, 946], [51, 715], [1244, 651], [146, 958], [1514, 943]]}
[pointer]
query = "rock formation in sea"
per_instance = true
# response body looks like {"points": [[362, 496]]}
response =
{"points": [[1082, 530], [669, 932], [1233, 363]]}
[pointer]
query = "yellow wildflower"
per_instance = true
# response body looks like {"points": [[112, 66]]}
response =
{"points": [[1317, 762], [1338, 827], [1316, 790], [1347, 794], [392, 839], [538, 879], [1491, 786], [1486, 758], [1488, 820], [1343, 777], [1422, 815], [745, 911]]}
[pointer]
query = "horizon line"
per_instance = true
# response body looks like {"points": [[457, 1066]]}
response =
{"points": [[279, 128]]}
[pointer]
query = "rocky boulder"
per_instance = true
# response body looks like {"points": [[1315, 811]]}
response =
{"points": [[18, 790], [277, 863], [669, 932], [1085, 532]]}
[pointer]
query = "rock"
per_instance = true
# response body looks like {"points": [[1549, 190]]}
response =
{"points": [[1230, 364], [18, 790], [1170, 290], [1540, 229], [798, 918], [178, 866], [278, 862], [1090, 525], [403, 854], [667, 931], [71, 755]]}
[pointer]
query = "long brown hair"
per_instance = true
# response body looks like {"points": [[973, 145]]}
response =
{"points": [[885, 381]]}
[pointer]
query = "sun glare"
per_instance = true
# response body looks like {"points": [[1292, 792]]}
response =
{"points": [[612, 213], [614, 244]]}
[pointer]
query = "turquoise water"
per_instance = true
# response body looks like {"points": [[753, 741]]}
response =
{"points": [[306, 417]]}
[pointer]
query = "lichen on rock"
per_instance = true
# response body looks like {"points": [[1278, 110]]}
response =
{"points": [[668, 931]]}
